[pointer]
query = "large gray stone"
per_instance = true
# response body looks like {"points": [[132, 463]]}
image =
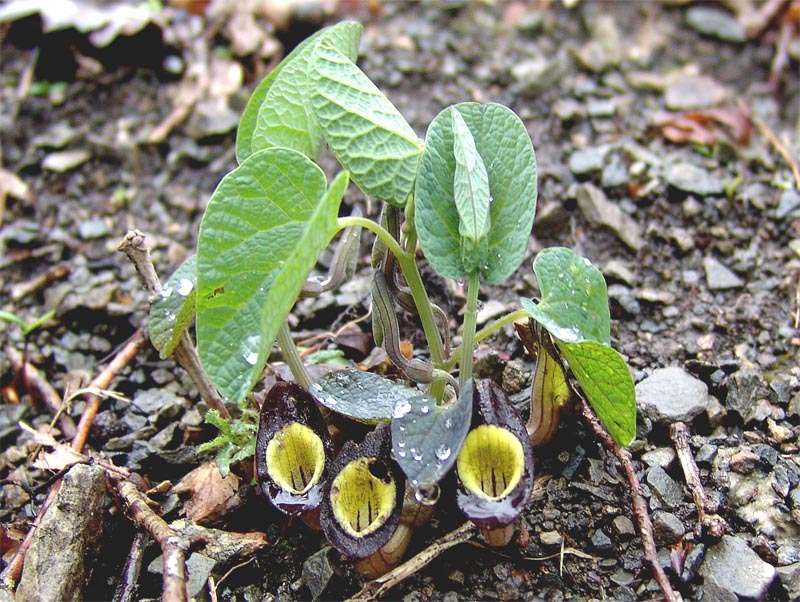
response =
{"points": [[737, 568], [671, 395]]}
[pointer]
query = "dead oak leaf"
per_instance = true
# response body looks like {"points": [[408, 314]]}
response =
{"points": [[210, 496]]}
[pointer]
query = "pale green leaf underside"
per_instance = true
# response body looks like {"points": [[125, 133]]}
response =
{"points": [[427, 437], [276, 114], [574, 303], [604, 377], [262, 231], [364, 130], [471, 195], [505, 148], [173, 311]]}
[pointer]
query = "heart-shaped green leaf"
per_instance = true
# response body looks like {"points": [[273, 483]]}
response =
{"points": [[605, 379], [426, 436], [173, 311], [365, 131], [574, 303], [361, 396], [277, 113], [505, 149], [262, 231]]}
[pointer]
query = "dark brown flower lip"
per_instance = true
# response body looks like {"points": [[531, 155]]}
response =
{"points": [[491, 407], [284, 404], [376, 450]]}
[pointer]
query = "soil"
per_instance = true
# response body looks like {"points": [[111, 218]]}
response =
{"points": [[672, 302]]}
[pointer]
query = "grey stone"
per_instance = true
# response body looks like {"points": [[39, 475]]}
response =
{"points": [[92, 229], [788, 203], [625, 297], [618, 270], [793, 408], [667, 527], [587, 160], [719, 277], [694, 92], [623, 527], [671, 395], [790, 578], [692, 562], [661, 456], [706, 454], [693, 179], [714, 592], [569, 109], [67, 160], [737, 568], [601, 107], [745, 389], [212, 117], [538, 73], [716, 22], [55, 565], [317, 572], [596, 207], [664, 487], [601, 541], [550, 538]]}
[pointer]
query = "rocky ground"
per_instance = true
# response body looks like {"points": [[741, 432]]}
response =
{"points": [[666, 135]]}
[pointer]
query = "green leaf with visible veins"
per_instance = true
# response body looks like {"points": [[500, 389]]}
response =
{"points": [[277, 113], [173, 311], [365, 131], [574, 303], [471, 196], [262, 231], [605, 379], [505, 149]]}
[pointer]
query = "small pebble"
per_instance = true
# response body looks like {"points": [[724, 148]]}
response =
{"points": [[668, 528], [719, 277], [715, 22], [744, 461], [693, 179]]}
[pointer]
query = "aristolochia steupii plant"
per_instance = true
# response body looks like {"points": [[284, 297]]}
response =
{"points": [[467, 196]]}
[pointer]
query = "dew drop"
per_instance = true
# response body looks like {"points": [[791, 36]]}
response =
{"points": [[427, 496], [185, 287], [166, 292], [330, 401], [401, 408], [448, 423], [401, 453], [401, 444], [251, 358], [442, 452], [417, 456], [424, 409]]}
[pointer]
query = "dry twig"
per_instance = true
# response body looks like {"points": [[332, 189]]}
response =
{"points": [[172, 546], [128, 587], [185, 354], [637, 499], [378, 587], [708, 520], [781, 148]]}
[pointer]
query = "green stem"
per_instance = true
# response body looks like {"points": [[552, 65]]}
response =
{"points": [[468, 336], [408, 265], [292, 357], [485, 332]]}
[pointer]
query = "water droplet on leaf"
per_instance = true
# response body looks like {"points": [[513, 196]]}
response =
{"points": [[185, 287], [442, 452]]}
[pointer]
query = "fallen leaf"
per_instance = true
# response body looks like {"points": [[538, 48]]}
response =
{"points": [[705, 126], [210, 495]]}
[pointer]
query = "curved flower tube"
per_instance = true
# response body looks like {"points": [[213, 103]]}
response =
{"points": [[293, 452], [495, 465], [362, 502]]}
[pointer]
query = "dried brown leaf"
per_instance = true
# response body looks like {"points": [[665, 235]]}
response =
{"points": [[210, 495]]}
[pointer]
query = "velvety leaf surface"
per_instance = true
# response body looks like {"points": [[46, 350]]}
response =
{"points": [[362, 396], [365, 131], [427, 437], [574, 303], [276, 114], [262, 231], [505, 148], [604, 377], [173, 311]]}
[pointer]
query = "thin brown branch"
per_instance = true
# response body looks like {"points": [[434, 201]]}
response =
{"points": [[708, 520], [133, 245], [103, 381], [128, 587], [41, 390], [781, 148], [378, 587], [640, 512], [172, 545]]}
